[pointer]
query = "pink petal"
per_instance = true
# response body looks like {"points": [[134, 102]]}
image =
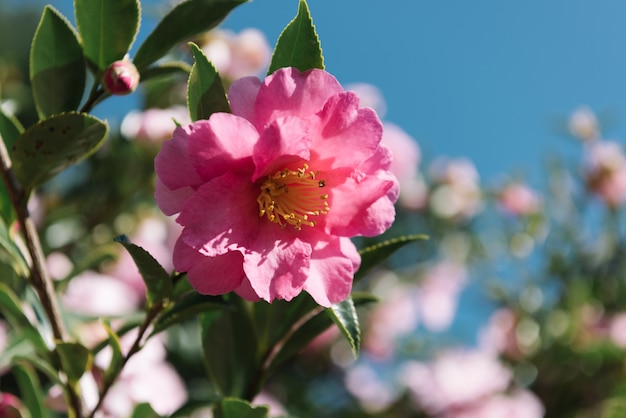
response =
{"points": [[242, 96], [288, 92], [333, 264], [246, 291], [209, 275], [172, 164], [282, 143], [222, 143], [348, 135], [222, 215], [277, 263], [170, 201]]}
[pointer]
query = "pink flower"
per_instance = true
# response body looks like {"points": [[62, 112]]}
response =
{"points": [[519, 404], [519, 200], [583, 124], [11, 406], [268, 196], [153, 125], [456, 195], [606, 172], [121, 78]]}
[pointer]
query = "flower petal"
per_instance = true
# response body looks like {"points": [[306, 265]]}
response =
{"points": [[173, 165], [222, 215], [277, 263], [209, 275], [170, 201], [222, 143], [288, 92], [333, 264], [242, 96]]}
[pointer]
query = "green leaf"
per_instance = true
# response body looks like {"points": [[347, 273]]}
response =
{"points": [[30, 390], [10, 129], [205, 91], [238, 408], [186, 20], [230, 349], [165, 70], [10, 254], [54, 144], [298, 45], [144, 410], [57, 67], [374, 255], [75, 359], [158, 282], [189, 306], [344, 315], [117, 357], [107, 28], [11, 309]]}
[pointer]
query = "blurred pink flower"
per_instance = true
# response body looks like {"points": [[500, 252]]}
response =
{"points": [[456, 194], [153, 125], [455, 379], [605, 172], [237, 55], [269, 195], [374, 394], [519, 200], [583, 124], [276, 409], [498, 335], [438, 294], [11, 406], [617, 330], [370, 96], [519, 404]]}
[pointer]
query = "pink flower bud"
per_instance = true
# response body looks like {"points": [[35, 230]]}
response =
{"points": [[10, 406], [121, 78]]}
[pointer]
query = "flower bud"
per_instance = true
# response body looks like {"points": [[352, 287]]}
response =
{"points": [[10, 406], [121, 78]]}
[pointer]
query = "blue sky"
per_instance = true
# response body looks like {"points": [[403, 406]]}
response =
{"points": [[491, 80]]}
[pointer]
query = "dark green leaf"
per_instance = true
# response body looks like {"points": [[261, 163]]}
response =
{"points": [[10, 129], [30, 390], [107, 28], [57, 67], [158, 282], [165, 70], [190, 306], [238, 408], [230, 349], [376, 254], [344, 315], [11, 309], [186, 20], [54, 144], [298, 45], [75, 359], [144, 410], [205, 91]]}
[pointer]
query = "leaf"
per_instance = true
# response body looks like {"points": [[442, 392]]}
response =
{"points": [[57, 67], [187, 19], [54, 144], [344, 315], [374, 255], [10, 129], [205, 91], [75, 359], [11, 309], [117, 357], [190, 306], [238, 408], [298, 45], [230, 349], [30, 390], [10, 253], [107, 28], [158, 282], [144, 410]]}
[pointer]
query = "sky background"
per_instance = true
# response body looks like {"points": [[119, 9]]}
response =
{"points": [[490, 80]]}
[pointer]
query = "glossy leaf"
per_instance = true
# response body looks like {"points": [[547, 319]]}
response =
{"points": [[205, 91], [158, 282], [230, 349], [107, 29], [75, 359], [344, 315], [30, 390], [144, 410], [11, 309], [57, 66], [298, 45], [54, 144], [186, 20], [188, 307], [374, 255], [238, 408]]}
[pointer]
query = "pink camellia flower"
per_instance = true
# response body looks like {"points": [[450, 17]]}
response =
{"points": [[268, 196], [456, 194], [519, 200], [605, 172], [121, 78]]}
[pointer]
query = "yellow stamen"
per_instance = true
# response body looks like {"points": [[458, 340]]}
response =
{"points": [[292, 197]]}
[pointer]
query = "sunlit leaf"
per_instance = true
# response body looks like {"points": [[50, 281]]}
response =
{"points": [[344, 315], [205, 91], [376, 254]]}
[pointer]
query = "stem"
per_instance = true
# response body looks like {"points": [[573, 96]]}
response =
{"points": [[40, 280], [134, 349], [96, 95]]}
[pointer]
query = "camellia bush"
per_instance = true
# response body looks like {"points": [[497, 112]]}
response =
{"points": [[254, 239]]}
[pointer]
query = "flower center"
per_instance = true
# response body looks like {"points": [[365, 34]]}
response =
{"points": [[292, 197]]}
